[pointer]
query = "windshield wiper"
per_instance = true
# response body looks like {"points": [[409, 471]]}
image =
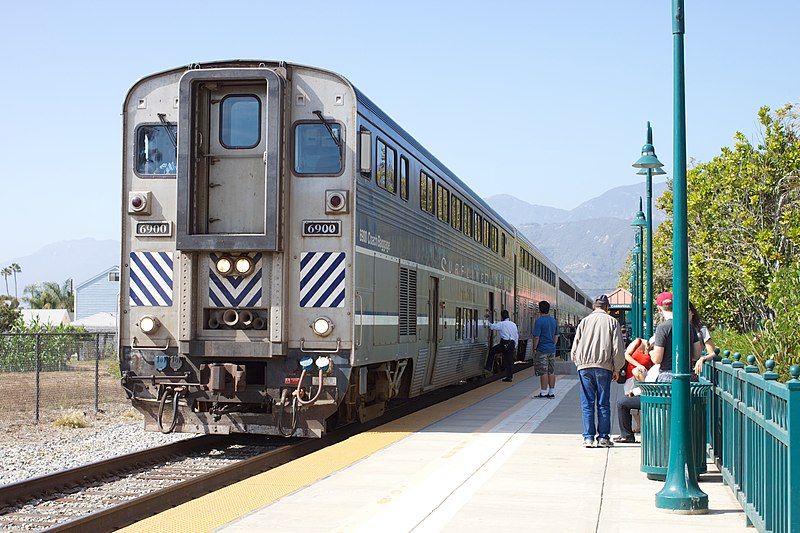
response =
{"points": [[330, 132], [163, 118]]}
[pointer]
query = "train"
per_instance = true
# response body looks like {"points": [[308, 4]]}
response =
{"points": [[293, 260]]}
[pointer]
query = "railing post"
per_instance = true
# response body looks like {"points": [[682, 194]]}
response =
{"points": [[97, 373], [793, 427], [38, 371], [769, 451]]}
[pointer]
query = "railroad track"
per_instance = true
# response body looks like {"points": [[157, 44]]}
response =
{"points": [[117, 492]]}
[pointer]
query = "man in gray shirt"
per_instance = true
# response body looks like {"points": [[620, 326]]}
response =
{"points": [[598, 353]]}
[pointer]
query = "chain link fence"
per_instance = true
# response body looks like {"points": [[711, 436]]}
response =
{"points": [[43, 374]]}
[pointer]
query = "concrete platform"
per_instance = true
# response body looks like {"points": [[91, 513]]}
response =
{"points": [[491, 459], [505, 463]]}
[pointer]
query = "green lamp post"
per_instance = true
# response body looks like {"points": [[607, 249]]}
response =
{"points": [[681, 493], [649, 172], [635, 324], [639, 223], [631, 313]]}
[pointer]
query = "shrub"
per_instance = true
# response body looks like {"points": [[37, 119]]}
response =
{"points": [[18, 349], [72, 419]]}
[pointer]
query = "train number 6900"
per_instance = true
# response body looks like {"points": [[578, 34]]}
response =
{"points": [[327, 228]]}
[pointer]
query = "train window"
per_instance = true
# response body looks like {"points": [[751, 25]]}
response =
{"points": [[318, 150], [477, 226], [443, 203], [403, 178], [240, 121], [455, 212], [385, 174], [503, 244], [425, 192], [467, 220], [494, 240], [156, 152], [485, 233]]}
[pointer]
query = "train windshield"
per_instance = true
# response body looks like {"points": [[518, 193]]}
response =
{"points": [[316, 150], [155, 150]]}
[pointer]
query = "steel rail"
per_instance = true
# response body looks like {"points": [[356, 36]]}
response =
{"points": [[132, 511], [80, 475]]}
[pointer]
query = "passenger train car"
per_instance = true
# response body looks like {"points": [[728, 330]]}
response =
{"points": [[293, 259]]}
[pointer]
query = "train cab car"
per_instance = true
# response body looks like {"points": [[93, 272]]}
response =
{"points": [[293, 259]]}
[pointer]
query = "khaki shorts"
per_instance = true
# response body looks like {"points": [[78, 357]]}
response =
{"points": [[544, 363]]}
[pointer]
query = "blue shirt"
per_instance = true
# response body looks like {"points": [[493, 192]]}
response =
{"points": [[546, 328]]}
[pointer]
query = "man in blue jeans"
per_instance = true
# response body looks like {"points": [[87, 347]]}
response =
{"points": [[598, 353]]}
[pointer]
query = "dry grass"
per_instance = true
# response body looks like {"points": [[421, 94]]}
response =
{"points": [[72, 419], [132, 414], [70, 389]]}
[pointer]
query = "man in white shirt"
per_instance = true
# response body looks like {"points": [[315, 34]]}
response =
{"points": [[509, 337]]}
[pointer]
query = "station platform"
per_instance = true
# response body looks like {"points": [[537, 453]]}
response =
{"points": [[492, 458]]}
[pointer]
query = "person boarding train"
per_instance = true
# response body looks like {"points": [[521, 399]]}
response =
{"points": [[509, 338]]}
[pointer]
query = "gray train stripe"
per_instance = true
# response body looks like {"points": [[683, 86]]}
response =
{"points": [[150, 279], [322, 279]]}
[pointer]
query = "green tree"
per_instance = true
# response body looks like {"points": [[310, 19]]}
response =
{"points": [[743, 223], [9, 314], [50, 295]]}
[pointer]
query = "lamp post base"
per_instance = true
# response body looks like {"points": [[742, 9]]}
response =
{"points": [[682, 505]]}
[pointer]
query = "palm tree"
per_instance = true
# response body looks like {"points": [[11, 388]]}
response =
{"points": [[15, 269], [50, 295], [5, 273]]}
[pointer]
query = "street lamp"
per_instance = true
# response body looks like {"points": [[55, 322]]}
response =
{"points": [[639, 223], [649, 172], [681, 493]]}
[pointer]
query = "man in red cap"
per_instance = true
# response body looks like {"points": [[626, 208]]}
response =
{"points": [[662, 349]]}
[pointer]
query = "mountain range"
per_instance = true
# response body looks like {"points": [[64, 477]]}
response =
{"points": [[78, 259], [590, 242]]}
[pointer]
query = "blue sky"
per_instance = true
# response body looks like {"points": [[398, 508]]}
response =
{"points": [[543, 100]]}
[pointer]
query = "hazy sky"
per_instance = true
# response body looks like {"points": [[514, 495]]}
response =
{"points": [[543, 100]]}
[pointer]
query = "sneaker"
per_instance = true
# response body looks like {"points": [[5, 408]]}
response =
{"points": [[540, 395], [624, 440], [604, 443], [588, 443], [551, 395]]}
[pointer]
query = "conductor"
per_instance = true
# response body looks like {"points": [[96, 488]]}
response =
{"points": [[509, 337]]}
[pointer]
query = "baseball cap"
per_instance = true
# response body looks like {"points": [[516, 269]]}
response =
{"points": [[665, 298], [602, 300]]}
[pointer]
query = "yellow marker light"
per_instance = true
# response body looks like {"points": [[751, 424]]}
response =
{"points": [[224, 265], [322, 326], [243, 265], [148, 324]]}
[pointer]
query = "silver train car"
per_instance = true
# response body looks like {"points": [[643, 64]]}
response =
{"points": [[293, 259]]}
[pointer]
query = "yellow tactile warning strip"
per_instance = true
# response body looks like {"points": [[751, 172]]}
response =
{"points": [[220, 507]]}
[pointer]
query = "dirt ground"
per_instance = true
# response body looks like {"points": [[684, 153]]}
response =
{"points": [[73, 389]]}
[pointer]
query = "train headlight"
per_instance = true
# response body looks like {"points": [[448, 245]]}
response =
{"points": [[224, 265], [243, 265], [322, 326], [149, 324]]}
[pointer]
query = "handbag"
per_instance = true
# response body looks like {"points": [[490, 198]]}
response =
{"points": [[622, 374]]}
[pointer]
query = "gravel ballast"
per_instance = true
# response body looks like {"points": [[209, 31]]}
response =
{"points": [[31, 451]]}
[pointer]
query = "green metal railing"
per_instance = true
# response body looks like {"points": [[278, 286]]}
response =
{"points": [[754, 437]]}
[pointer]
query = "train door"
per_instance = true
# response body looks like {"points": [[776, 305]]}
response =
{"points": [[237, 144], [491, 318], [434, 326]]}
